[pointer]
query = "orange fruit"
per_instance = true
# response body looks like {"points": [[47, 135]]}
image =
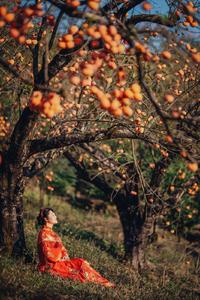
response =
{"points": [[192, 167], [11, 61], [104, 102], [73, 29], [86, 82], [115, 104], [21, 39], [127, 110], [126, 101], [28, 11], [135, 87], [196, 57], [183, 153], [147, 6], [75, 80], [70, 44], [116, 112], [9, 17], [3, 11], [169, 139], [88, 71], [93, 5], [128, 93], [14, 33], [75, 3], [2, 23], [169, 98], [94, 89], [67, 37], [138, 97], [103, 29], [166, 54], [117, 37], [139, 47], [112, 29], [62, 45]]}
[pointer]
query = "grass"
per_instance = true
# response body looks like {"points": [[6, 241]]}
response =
{"points": [[97, 238]]}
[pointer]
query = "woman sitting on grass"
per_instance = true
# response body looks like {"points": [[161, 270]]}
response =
{"points": [[54, 258]]}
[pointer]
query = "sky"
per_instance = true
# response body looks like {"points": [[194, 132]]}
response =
{"points": [[159, 7]]}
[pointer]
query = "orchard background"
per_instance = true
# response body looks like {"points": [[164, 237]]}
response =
{"points": [[100, 111]]}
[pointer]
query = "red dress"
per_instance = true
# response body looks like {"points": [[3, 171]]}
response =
{"points": [[54, 258]]}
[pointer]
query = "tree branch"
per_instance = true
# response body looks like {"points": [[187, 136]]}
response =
{"points": [[126, 7], [41, 145], [82, 172], [151, 18]]}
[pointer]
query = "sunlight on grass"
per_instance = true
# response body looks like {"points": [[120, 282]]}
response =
{"points": [[173, 277]]}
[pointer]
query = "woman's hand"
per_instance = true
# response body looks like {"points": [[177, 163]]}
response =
{"points": [[66, 257]]}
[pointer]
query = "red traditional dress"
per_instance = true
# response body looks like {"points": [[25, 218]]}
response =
{"points": [[54, 258]]}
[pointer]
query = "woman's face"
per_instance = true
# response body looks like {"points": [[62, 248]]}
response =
{"points": [[51, 218]]}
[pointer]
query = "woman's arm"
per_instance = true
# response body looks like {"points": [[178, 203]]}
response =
{"points": [[51, 250], [65, 255]]}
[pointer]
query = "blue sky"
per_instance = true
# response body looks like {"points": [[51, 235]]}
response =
{"points": [[159, 7]]}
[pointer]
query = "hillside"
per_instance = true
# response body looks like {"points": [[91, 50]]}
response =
{"points": [[98, 238]]}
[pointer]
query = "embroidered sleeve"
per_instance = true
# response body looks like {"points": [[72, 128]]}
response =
{"points": [[65, 255], [64, 251], [51, 249]]}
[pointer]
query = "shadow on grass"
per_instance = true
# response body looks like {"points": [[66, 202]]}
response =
{"points": [[70, 230], [8, 292]]}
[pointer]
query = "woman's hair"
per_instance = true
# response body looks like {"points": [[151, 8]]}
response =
{"points": [[43, 214]]}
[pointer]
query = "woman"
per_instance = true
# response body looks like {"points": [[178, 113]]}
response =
{"points": [[54, 258]]}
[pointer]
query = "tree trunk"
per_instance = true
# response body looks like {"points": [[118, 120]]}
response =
{"points": [[12, 184], [135, 225], [130, 219], [136, 229], [139, 260]]}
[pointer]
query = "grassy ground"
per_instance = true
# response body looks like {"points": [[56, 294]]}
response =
{"points": [[98, 239]]}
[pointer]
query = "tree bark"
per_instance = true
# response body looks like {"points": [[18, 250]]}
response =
{"points": [[136, 229], [12, 239]]}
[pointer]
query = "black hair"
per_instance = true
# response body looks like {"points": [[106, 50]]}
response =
{"points": [[43, 214]]}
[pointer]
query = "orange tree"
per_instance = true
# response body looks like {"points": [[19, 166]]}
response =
{"points": [[64, 59]]}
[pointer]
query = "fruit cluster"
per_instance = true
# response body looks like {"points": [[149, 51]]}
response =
{"points": [[90, 67], [190, 22], [22, 22], [194, 53], [121, 103], [190, 7], [4, 126], [144, 50], [48, 104], [100, 33], [194, 189], [110, 36], [33, 11], [71, 39], [81, 73], [5, 16]]}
